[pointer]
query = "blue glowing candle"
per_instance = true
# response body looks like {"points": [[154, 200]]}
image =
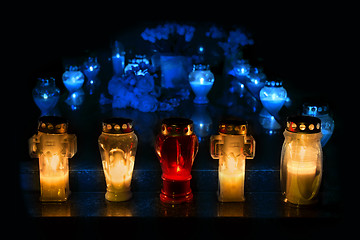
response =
{"points": [[46, 95], [241, 68], [201, 80], [73, 78], [273, 96], [91, 69], [118, 58]]}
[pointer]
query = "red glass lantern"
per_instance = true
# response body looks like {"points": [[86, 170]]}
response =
{"points": [[176, 147]]}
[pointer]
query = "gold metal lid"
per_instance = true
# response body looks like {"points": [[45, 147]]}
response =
{"points": [[303, 124], [117, 125], [177, 127], [53, 125], [233, 127]]}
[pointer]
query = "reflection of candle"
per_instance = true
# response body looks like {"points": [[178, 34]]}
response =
{"points": [[54, 184], [301, 176], [75, 99], [231, 180]]}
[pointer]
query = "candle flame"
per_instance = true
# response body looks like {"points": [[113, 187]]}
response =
{"points": [[179, 157], [120, 168], [52, 161], [303, 162], [231, 162]]}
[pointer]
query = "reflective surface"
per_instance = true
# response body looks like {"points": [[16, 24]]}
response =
{"points": [[262, 177]]}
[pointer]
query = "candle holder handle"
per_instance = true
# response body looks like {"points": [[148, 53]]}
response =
{"points": [[249, 147], [69, 145], [33, 146], [215, 141]]}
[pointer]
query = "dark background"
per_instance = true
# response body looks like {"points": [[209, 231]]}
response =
{"points": [[295, 41]]}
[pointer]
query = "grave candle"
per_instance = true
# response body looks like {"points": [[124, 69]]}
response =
{"points": [[273, 96], [301, 160], [118, 144], [232, 146], [176, 147], [53, 146], [201, 80]]}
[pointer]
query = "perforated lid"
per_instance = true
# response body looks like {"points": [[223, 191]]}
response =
{"points": [[303, 124], [177, 127], [117, 125], [53, 125], [274, 83], [314, 108], [233, 126]]}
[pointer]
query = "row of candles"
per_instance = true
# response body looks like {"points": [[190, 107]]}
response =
{"points": [[176, 148], [177, 144]]}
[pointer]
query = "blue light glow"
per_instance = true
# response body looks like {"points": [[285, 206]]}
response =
{"points": [[201, 49], [75, 99], [46, 95], [273, 96], [201, 81], [321, 111]]}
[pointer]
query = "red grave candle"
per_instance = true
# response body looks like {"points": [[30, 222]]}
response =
{"points": [[176, 147]]}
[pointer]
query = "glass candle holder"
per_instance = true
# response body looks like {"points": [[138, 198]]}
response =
{"points": [[176, 147], [91, 69], [321, 111], [118, 144], [73, 78], [118, 58], [201, 80], [53, 146], [241, 68], [46, 95], [273, 96], [301, 160], [232, 146]]}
